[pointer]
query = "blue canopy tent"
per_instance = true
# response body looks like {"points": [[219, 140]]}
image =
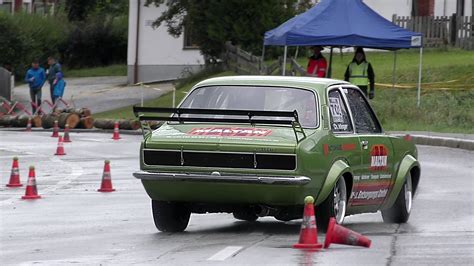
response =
{"points": [[342, 23]]}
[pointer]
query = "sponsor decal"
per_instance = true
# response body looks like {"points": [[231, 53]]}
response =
{"points": [[336, 110], [230, 132], [369, 194], [407, 137], [378, 158], [327, 148]]}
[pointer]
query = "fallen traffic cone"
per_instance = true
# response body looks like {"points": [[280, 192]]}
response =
{"points": [[31, 190], [60, 149], [28, 125], [106, 185], [66, 134], [15, 174], [309, 231], [338, 234], [116, 135], [55, 130]]}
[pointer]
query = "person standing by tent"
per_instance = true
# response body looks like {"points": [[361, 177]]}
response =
{"points": [[35, 77], [360, 73], [317, 64], [54, 68]]}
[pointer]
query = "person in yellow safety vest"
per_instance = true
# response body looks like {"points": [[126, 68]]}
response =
{"points": [[360, 73]]}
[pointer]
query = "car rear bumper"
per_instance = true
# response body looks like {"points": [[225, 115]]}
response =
{"points": [[242, 179]]}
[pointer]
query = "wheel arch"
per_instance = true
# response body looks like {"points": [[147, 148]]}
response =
{"points": [[409, 165], [338, 169]]}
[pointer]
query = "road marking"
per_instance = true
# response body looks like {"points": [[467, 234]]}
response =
{"points": [[227, 252]]}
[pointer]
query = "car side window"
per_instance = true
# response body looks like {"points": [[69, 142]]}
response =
{"points": [[364, 118], [340, 121]]}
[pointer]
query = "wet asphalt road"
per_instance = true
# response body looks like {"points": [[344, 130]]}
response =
{"points": [[75, 224]]}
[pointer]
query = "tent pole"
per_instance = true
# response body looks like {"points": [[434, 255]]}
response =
{"points": [[296, 52], [394, 78], [418, 99], [284, 60], [329, 73]]}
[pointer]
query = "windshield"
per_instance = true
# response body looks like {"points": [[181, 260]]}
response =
{"points": [[256, 99]]}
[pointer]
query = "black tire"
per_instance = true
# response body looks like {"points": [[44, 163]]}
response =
{"points": [[326, 209], [400, 211], [245, 216], [170, 216]]}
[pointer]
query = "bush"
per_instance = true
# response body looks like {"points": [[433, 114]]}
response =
{"points": [[26, 37], [97, 42]]}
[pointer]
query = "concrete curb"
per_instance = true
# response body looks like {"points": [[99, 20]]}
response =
{"points": [[420, 139]]}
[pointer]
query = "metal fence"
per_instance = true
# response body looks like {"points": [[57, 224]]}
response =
{"points": [[441, 31], [5, 84]]}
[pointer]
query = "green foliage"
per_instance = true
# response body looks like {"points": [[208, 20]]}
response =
{"points": [[98, 41], [27, 37], [213, 22], [80, 10]]}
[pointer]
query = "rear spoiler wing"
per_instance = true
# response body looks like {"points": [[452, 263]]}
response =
{"points": [[146, 114]]}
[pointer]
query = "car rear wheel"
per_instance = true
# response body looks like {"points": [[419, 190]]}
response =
{"points": [[170, 216], [333, 206], [400, 211]]}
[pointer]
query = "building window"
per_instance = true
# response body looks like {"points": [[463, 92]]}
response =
{"points": [[6, 7], [189, 43]]}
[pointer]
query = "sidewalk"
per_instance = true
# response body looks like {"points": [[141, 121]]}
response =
{"points": [[98, 93]]}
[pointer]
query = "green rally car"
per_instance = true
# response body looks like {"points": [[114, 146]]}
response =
{"points": [[255, 146]]}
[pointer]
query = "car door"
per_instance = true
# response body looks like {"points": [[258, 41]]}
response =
{"points": [[344, 143], [373, 181]]}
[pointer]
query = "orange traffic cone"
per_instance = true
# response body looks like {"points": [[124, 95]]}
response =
{"points": [[55, 130], [116, 135], [338, 234], [31, 191], [28, 125], [66, 134], [106, 185], [60, 149], [309, 231], [15, 174]]}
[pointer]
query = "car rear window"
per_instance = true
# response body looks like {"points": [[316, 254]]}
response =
{"points": [[257, 99]]}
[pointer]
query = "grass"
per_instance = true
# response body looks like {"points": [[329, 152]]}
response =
{"points": [[447, 93], [112, 70], [438, 66]]}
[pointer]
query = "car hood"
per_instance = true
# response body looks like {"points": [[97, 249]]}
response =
{"points": [[243, 138]]}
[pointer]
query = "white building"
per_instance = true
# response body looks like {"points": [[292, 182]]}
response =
{"points": [[159, 56]]}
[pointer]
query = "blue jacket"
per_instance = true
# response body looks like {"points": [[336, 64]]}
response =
{"points": [[58, 90], [35, 78]]}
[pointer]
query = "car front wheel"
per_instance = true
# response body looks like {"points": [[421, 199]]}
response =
{"points": [[400, 211], [170, 216], [333, 206]]}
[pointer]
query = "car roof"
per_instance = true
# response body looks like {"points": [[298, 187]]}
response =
{"points": [[317, 84]]}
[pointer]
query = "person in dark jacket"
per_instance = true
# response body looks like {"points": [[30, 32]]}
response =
{"points": [[35, 77], [360, 73], [54, 68]]}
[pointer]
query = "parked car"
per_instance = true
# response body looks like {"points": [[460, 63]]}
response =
{"points": [[256, 146]]}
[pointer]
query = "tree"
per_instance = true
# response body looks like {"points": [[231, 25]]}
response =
{"points": [[80, 10], [213, 22]]}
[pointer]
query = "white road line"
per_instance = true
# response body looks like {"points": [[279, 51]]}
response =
{"points": [[225, 253]]}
